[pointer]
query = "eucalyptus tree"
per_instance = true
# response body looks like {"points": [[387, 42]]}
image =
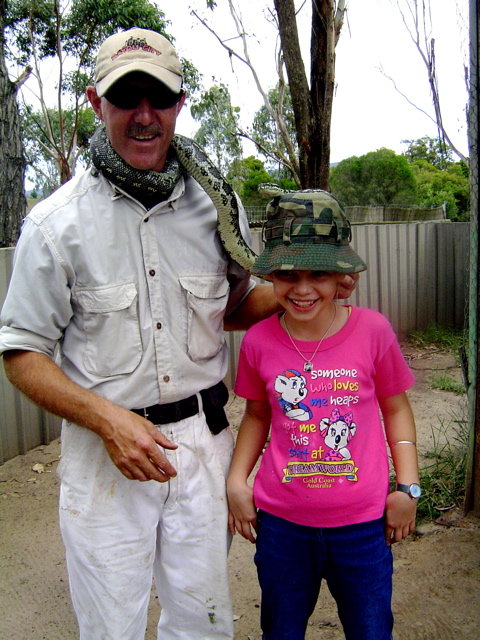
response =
{"points": [[63, 37], [378, 177], [307, 154], [12, 162], [218, 131]]}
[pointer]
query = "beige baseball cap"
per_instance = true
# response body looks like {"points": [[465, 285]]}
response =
{"points": [[137, 50]]}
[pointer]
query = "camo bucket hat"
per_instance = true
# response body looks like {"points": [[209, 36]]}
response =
{"points": [[307, 231]]}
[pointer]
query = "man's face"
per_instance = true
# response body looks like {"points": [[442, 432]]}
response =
{"points": [[140, 135]]}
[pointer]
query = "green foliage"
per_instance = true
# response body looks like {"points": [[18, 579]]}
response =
{"points": [[255, 176], [218, 125], [42, 135], [443, 470], [44, 31], [265, 129], [25, 17], [444, 382], [84, 24], [51, 29], [286, 183], [437, 186], [425, 176], [245, 176], [434, 150], [437, 336], [440, 180], [378, 177]]}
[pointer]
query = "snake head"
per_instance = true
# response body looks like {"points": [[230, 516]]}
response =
{"points": [[269, 190]]}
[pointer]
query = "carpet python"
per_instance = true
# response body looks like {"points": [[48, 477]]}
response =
{"points": [[194, 161], [199, 166]]}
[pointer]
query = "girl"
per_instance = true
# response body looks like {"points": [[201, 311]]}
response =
{"points": [[314, 377]]}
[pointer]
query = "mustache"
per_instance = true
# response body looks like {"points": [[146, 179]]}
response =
{"points": [[137, 130]]}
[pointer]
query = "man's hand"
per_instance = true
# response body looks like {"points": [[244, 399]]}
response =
{"points": [[133, 443], [346, 285]]}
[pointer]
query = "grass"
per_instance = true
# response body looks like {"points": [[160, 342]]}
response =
{"points": [[445, 383], [439, 337], [447, 339], [442, 474], [443, 469]]}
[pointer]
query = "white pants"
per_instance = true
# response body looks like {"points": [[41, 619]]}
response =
{"points": [[118, 532]]}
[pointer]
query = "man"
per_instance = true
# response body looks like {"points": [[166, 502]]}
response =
{"points": [[114, 321]]}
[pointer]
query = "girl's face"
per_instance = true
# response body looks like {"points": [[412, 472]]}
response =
{"points": [[305, 294]]}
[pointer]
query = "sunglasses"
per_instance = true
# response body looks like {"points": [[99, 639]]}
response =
{"points": [[129, 97]]}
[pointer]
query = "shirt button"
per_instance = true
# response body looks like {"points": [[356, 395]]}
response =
{"points": [[146, 219], [166, 378], [152, 272], [159, 325]]}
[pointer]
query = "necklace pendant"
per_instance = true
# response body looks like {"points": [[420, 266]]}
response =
{"points": [[308, 366]]}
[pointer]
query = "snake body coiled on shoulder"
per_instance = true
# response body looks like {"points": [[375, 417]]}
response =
{"points": [[199, 166], [194, 161]]}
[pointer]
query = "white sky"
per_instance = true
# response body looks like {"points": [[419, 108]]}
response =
{"points": [[368, 113]]}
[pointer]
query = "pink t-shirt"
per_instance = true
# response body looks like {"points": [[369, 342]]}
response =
{"points": [[326, 464]]}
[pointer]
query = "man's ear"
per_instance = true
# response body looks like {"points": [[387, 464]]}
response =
{"points": [[181, 102], [95, 101]]}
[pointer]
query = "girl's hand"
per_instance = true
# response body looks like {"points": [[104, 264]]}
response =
{"points": [[242, 516], [400, 516]]}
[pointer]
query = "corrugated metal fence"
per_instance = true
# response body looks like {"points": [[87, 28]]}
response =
{"points": [[22, 424], [417, 275]]}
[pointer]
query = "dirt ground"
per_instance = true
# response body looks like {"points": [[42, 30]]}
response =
{"points": [[437, 570]]}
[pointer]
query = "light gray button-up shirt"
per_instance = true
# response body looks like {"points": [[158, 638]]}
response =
{"points": [[135, 299]]}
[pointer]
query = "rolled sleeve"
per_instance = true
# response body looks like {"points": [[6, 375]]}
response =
{"points": [[37, 307], [11, 338]]}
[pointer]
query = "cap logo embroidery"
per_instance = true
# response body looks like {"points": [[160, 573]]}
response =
{"points": [[136, 44]]}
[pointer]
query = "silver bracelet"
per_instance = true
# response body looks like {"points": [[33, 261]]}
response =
{"points": [[402, 442]]}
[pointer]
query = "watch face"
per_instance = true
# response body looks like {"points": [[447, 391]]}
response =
{"points": [[415, 491]]}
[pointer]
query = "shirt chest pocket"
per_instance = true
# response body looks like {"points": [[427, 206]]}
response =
{"points": [[110, 321], [207, 298]]}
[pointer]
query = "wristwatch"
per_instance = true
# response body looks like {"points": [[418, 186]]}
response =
{"points": [[414, 490]]}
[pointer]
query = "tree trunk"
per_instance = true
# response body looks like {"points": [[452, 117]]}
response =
{"points": [[297, 81], [322, 80], [312, 105], [12, 174]]}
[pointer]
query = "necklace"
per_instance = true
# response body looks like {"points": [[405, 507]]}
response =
{"points": [[308, 366]]}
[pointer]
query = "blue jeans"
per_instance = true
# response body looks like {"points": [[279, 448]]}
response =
{"points": [[355, 561]]}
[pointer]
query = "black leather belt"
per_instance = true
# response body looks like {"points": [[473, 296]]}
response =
{"points": [[170, 412], [213, 401]]}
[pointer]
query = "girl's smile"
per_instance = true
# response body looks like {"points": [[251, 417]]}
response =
{"points": [[304, 304], [308, 298]]}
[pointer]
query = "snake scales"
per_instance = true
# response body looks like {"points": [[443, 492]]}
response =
{"points": [[194, 161]]}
